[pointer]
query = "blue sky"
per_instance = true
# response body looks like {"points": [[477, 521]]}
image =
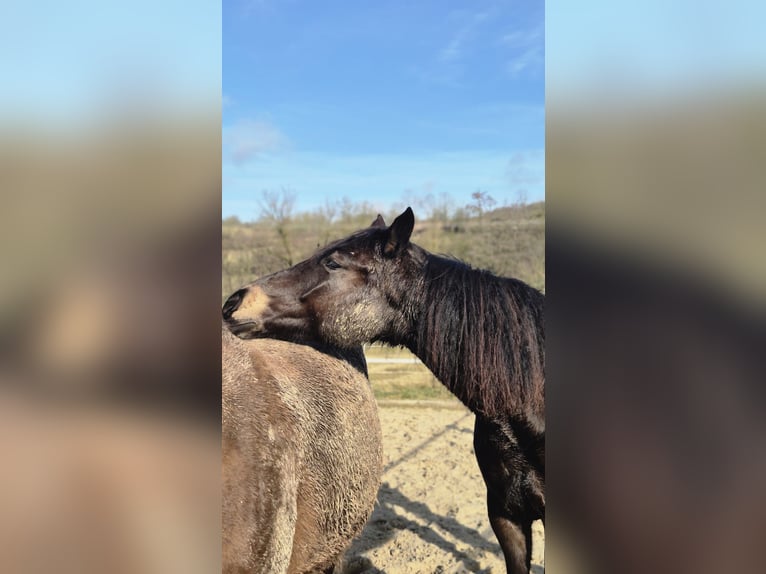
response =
{"points": [[378, 101], [72, 62], [601, 50]]}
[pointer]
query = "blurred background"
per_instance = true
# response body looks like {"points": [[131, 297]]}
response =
{"points": [[111, 167], [109, 358], [655, 287]]}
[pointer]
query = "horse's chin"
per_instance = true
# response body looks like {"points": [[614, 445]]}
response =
{"points": [[246, 329]]}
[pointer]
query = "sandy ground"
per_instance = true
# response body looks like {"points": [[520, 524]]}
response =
{"points": [[430, 516]]}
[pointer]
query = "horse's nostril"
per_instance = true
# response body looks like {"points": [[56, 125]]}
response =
{"points": [[232, 303]]}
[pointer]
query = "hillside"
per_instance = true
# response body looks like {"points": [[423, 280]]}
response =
{"points": [[508, 241]]}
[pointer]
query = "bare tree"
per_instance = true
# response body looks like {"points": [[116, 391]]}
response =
{"points": [[482, 202], [521, 197], [328, 213], [347, 209], [443, 205], [277, 207]]}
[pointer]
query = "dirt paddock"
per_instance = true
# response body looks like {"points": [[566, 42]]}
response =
{"points": [[430, 516]]}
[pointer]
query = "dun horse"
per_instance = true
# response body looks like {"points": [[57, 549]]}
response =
{"points": [[301, 455], [482, 336]]}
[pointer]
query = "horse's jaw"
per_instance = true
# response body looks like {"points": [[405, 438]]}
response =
{"points": [[248, 329]]}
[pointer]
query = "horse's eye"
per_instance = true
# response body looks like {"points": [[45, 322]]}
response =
{"points": [[331, 264]]}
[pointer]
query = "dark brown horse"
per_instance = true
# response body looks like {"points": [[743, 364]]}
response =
{"points": [[482, 336], [301, 455]]}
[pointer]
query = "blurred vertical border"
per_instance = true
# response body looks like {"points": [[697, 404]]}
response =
{"points": [[110, 175], [656, 287]]}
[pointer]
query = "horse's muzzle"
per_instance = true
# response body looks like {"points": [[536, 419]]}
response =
{"points": [[244, 311], [233, 303]]}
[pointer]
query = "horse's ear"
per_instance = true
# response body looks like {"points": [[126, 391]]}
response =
{"points": [[378, 221], [399, 232]]}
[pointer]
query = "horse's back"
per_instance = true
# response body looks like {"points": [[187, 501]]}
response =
{"points": [[259, 457], [301, 423]]}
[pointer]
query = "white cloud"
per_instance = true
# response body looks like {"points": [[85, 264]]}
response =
{"points": [[457, 45], [529, 58], [453, 50], [248, 139], [523, 37], [527, 47]]}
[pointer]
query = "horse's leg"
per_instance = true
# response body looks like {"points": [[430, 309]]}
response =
{"points": [[501, 462], [514, 536]]}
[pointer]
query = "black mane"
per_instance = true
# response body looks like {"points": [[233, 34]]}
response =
{"points": [[483, 336]]}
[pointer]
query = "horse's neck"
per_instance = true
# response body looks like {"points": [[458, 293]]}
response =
{"points": [[431, 347], [480, 336]]}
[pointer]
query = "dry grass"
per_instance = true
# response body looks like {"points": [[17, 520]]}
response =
{"points": [[402, 376], [509, 241]]}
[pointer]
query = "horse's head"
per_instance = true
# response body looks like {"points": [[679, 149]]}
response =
{"points": [[353, 291]]}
